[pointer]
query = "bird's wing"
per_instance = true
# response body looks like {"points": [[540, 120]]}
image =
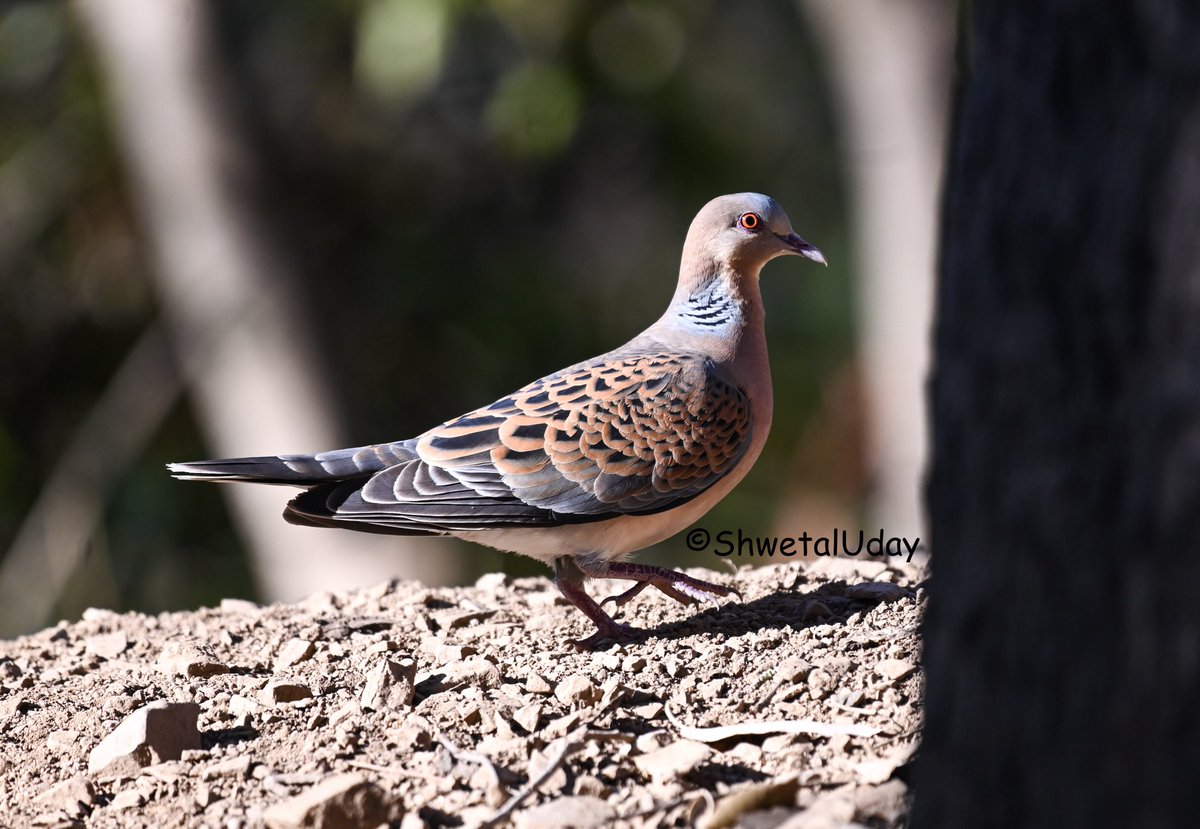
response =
{"points": [[620, 436]]}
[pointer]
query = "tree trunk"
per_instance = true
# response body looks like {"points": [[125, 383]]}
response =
{"points": [[1063, 637]]}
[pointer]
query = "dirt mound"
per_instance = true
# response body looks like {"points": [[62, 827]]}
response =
{"points": [[798, 706]]}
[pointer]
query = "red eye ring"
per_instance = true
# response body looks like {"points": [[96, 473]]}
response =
{"points": [[749, 221]]}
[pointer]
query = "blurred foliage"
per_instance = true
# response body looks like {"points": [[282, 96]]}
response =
{"points": [[473, 192]]}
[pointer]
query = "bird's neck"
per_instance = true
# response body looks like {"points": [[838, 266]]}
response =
{"points": [[721, 311]]}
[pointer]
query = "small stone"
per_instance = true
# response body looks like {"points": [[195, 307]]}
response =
{"points": [[580, 812], [205, 796], [561, 726], [747, 754], [648, 711], [633, 664], [875, 591], [294, 652], [383, 588], [237, 767], [610, 661], [459, 617], [673, 761], [344, 801], [127, 799], [777, 742], [652, 741], [188, 659], [854, 698], [170, 772], [793, 669], [445, 652], [528, 717], [491, 581], [389, 685], [239, 606], [589, 784], [411, 735], [74, 795], [537, 684], [240, 706], [154, 733], [97, 614], [62, 740], [577, 689], [107, 645], [475, 670], [895, 669], [284, 691]]}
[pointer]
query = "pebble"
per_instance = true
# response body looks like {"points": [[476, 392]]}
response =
{"points": [[579, 811], [672, 761], [107, 645], [239, 606], [793, 669], [475, 670], [528, 716], [127, 799], [895, 669], [62, 740], [633, 664], [577, 690], [284, 691], [237, 767], [652, 741], [491, 581], [294, 652], [154, 733], [876, 591], [389, 685], [343, 801], [610, 661], [74, 796], [537, 684], [205, 796], [240, 706], [188, 659]]}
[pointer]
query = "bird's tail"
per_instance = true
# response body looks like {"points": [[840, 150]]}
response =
{"points": [[297, 470]]}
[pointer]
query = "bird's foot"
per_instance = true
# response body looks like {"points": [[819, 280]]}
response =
{"points": [[621, 599], [679, 586]]}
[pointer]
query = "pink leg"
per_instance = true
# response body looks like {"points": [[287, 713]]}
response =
{"points": [[569, 579]]}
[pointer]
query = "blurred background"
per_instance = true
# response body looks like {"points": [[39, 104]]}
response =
{"points": [[248, 228]]}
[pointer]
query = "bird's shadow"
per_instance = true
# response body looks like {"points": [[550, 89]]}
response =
{"points": [[830, 603]]}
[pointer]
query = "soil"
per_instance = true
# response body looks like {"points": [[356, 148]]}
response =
{"points": [[799, 706]]}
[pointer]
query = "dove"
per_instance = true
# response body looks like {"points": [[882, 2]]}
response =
{"points": [[590, 464]]}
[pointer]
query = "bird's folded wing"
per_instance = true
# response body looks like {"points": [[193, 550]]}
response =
{"points": [[622, 436]]}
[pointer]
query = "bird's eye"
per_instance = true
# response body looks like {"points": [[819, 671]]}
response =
{"points": [[749, 221]]}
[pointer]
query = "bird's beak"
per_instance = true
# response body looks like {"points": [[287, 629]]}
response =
{"points": [[795, 244]]}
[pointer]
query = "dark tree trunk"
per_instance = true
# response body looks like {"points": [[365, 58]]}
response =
{"points": [[1063, 637]]}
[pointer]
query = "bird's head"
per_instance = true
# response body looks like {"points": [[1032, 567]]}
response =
{"points": [[743, 232]]}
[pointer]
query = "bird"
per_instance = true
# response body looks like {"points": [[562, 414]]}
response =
{"points": [[593, 462]]}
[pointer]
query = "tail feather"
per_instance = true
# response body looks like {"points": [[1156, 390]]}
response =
{"points": [[297, 470]]}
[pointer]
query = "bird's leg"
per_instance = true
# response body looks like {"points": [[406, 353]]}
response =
{"points": [[569, 579], [679, 586]]}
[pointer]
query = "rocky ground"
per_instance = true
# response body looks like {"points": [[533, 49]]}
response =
{"points": [[799, 706]]}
